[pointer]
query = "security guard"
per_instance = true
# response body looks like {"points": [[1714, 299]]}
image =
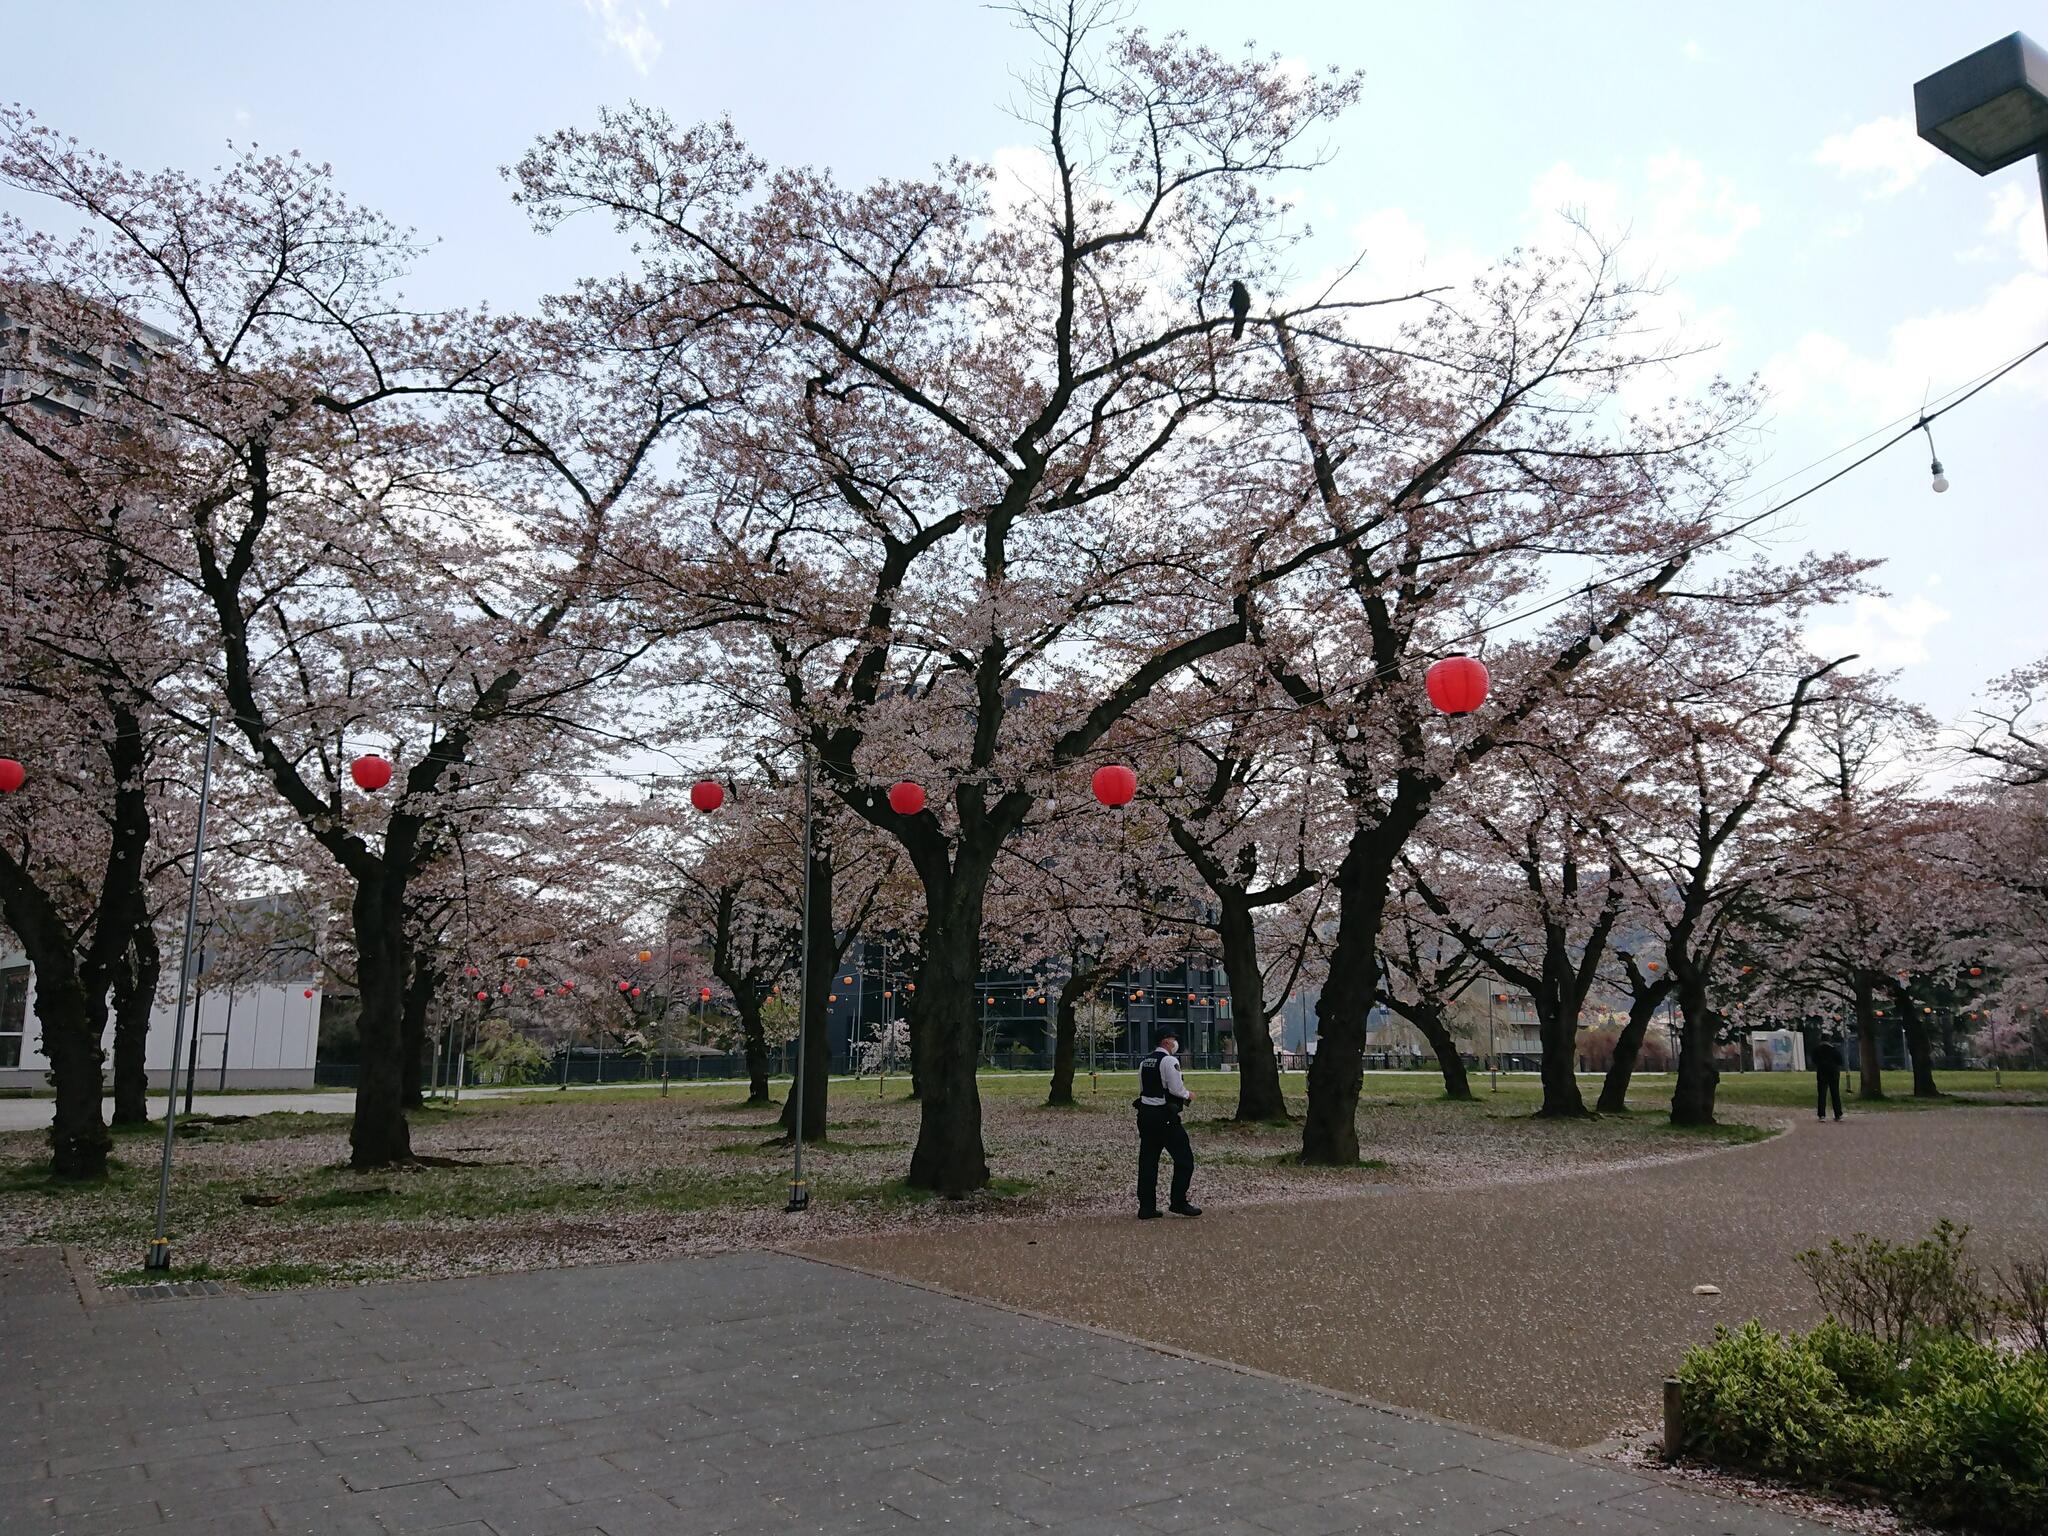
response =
{"points": [[1162, 1095]]}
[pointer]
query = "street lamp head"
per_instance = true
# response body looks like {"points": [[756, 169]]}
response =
{"points": [[1989, 109]]}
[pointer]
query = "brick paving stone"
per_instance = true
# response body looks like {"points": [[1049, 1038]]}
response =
{"points": [[819, 1400]]}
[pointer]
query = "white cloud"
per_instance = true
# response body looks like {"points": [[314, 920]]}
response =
{"points": [[1694, 53], [1882, 632], [1885, 150], [1939, 350], [1679, 218], [2016, 215], [627, 29]]}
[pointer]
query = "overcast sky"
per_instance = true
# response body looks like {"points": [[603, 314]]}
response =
{"points": [[1760, 158]]}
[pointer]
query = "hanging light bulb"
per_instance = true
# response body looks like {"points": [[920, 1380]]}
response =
{"points": [[1934, 459], [1178, 781], [1351, 731], [1593, 643]]}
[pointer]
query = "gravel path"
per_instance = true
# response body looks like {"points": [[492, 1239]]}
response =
{"points": [[1548, 1309]]}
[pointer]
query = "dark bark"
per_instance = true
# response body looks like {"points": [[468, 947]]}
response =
{"points": [[1645, 998], [1869, 1047], [1258, 1066], [820, 966], [1081, 980], [71, 1026], [949, 1158], [1428, 1019], [1336, 1073], [134, 997], [419, 993], [1692, 1098], [380, 1136], [754, 1041], [1919, 1043]]}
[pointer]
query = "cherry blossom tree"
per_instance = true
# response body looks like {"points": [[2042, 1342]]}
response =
{"points": [[981, 504]]}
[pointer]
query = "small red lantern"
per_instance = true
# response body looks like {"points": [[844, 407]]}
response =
{"points": [[521, 962], [1653, 965], [12, 775], [505, 987], [644, 956], [568, 986], [625, 986], [540, 991], [469, 970], [1115, 785], [1456, 685], [707, 795], [309, 991], [911, 986], [483, 997], [906, 798], [636, 991], [703, 994], [1976, 970], [370, 772]]}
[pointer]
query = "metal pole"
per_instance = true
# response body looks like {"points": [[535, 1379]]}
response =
{"points": [[159, 1254], [799, 1192], [198, 1018]]}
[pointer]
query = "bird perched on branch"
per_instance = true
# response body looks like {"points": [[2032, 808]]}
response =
{"points": [[1240, 306]]}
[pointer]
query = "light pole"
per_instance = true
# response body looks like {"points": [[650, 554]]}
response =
{"points": [[1990, 109], [159, 1253], [1492, 1053]]}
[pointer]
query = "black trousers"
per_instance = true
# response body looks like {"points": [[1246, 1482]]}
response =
{"points": [[1160, 1130], [1828, 1084]]}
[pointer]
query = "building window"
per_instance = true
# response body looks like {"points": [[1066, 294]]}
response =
{"points": [[13, 1013]]}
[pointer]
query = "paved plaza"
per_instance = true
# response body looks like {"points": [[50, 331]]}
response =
{"points": [[1552, 1309], [745, 1393]]}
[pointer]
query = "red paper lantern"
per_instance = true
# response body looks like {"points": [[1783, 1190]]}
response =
{"points": [[1653, 965], [906, 798], [1457, 684], [625, 986], [483, 997], [707, 795], [636, 991], [309, 991], [568, 986], [370, 772], [521, 962], [1115, 785], [505, 987], [1976, 970], [644, 956], [469, 970], [703, 994], [12, 775]]}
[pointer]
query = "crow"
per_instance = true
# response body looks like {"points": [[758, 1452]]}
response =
{"points": [[1240, 306]]}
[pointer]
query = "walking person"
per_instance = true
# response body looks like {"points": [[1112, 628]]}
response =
{"points": [[1827, 1076], [1162, 1095]]}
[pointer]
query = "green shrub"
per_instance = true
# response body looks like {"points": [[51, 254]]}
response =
{"points": [[1895, 1292], [1957, 1431]]}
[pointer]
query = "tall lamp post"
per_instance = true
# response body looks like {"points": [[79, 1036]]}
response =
{"points": [[1990, 109]]}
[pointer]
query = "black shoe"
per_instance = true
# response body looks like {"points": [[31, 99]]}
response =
{"points": [[1838, 1117], [1149, 1215], [1184, 1209]]}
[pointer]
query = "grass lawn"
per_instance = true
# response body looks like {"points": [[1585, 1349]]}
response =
{"points": [[546, 1178]]}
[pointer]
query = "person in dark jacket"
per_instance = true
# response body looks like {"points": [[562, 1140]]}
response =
{"points": [[1827, 1076], [1162, 1095]]}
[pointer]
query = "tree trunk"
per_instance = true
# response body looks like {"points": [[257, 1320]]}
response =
{"points": [[379, 1136], [135, 984], [949, 1158], [1919, 1046], [1557, 1030], [1429, 1022], [755, 1043], [419, 993], [1336, 1073], [71, 1027], [1869, 1051], [1078, 984], [1692, 1100], [1642, 1012], [819, 966], [1258, 1067]]}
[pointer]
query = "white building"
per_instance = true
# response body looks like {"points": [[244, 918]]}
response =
{"points": [[258, 1033]]}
